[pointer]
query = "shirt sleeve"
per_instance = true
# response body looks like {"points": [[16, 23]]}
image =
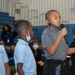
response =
{"points": [[46, 39], [20, 55], [5, 56]]}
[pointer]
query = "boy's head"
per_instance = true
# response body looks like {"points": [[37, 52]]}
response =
{"points": [[73, 31], [53, 17], [24, 29]]}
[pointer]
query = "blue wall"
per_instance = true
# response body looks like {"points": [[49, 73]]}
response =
{"points": [[6, 19], [39, 29], [70, 34]]}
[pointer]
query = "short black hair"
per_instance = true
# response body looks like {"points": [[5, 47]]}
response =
{"points": [[21, 24], [49, 12], [73, 31]]}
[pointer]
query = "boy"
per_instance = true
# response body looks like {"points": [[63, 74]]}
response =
{"points": [[24, 60], [4, 66], [54, 46]]}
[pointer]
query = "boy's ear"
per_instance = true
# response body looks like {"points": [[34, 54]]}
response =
{"points": [[27, 32], [24, 32], [47, 21]]}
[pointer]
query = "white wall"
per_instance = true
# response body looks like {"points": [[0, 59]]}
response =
{"points": [[65, 7], [4, 5], [34, 10]]}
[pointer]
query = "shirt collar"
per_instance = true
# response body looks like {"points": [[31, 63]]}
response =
{"points": [[55, 28], [22, 41]]}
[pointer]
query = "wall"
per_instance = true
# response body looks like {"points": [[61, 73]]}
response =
{"points": [[4, 5], [34, 10]]}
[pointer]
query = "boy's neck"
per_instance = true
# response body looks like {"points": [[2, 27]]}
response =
{"points": [[23, 38]]}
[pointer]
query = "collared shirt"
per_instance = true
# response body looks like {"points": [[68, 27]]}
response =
{"points": [[48, 37], [23, 54], [3, 59]]}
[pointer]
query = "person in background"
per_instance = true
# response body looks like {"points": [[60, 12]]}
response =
{"points": [[38, 56], [24, 59], [54, 46], [8, 36], [4, 66], [72, 58]]}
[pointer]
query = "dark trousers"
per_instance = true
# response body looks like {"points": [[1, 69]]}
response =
{"points": [[73, 69], [50, 67]]}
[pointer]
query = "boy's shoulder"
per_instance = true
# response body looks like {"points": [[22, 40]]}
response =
{"points": [[46, 32]]}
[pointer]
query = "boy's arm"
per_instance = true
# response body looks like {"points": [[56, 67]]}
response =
{"points": [[7, 69], [19, 69], [71, 51], [53, 48]]}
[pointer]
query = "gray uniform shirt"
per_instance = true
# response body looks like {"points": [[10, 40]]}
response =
{"points": [[48, 37]]}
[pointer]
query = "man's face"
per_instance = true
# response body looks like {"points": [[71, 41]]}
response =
{"points": [[54, 18]]}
